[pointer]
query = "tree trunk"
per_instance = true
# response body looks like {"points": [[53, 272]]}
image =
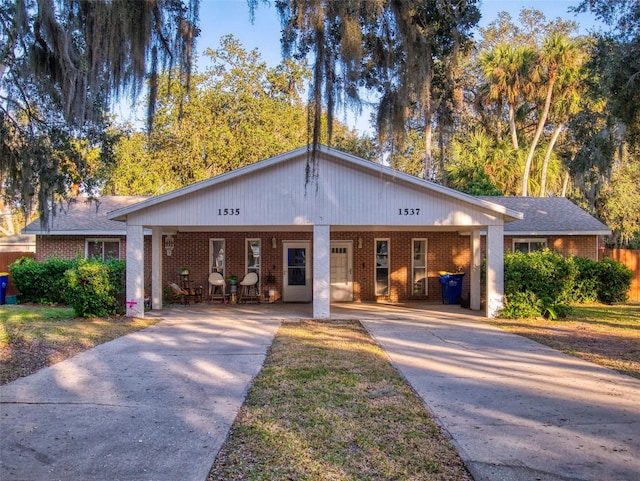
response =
{"points": [[565, 184], [536, 137], [444, 178], [428, 150], [512, 126], [547, 157]]}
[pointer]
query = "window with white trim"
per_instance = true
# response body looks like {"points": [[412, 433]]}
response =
{"points": [[102, 249], [252, 260], [419, 266], [382, 267], [217, 255], [529, 245]]}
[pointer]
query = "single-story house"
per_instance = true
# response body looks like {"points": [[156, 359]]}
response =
{"points": [[355, 231]]}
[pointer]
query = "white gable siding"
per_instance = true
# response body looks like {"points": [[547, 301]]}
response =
{"points": [[345, 195]]}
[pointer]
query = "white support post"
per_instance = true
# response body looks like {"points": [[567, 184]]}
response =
{"points": [[495, 270], [135, 271], [476, 265], [156, 267], [321, 272]]}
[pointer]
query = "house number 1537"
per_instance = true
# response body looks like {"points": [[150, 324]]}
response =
{"points": [[409, 211], [235, 211]]}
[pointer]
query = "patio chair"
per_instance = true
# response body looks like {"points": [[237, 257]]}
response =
{"points": [[249, 288], [178, 294], [217, 287]]}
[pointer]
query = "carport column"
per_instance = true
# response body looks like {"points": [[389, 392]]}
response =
{"points": [[321, 272], [156, 267], [476, 265], [495, 269], [135, 271]]}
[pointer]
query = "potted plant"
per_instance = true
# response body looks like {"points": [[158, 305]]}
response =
{"points": [[232, 280], [270, 283], [184, 271]]}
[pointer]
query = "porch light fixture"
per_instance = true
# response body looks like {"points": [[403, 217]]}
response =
{"points": [[169, 244], [274, 242], [359, 242]]}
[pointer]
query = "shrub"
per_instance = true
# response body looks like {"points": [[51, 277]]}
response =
{"points": [[586, 284], [41, 282], [538, 284], [545, 273], [614, 281], [521, 305], [117, 280], [541, 283], [89, 290]]}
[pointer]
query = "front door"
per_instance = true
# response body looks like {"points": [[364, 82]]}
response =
{"points": [[296, 283], [341, 272]]}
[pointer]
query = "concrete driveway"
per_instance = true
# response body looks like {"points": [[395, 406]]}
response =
{"points": [[516, 410], [154, 405], [157, 405]]}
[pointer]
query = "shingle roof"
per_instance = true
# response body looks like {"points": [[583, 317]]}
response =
{"points": [[549, 215], [82, 215]]}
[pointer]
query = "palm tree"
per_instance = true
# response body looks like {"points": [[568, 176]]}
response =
{"points": [[558, 51], [508, 69], [570, 87]]}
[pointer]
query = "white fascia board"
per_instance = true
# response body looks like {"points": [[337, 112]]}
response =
{"points": [[556, 233], [89, 233]]}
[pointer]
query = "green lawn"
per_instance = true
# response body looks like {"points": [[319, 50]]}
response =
{"points": [[604, 334], [328, 405], [34, 336]]}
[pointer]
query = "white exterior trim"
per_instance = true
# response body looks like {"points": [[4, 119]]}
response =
{"points": [[156, 268], [556, 233], [135, 271], [476, 266], [495, 270], [321, 272]]}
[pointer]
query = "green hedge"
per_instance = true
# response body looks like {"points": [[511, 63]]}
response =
{"points": [[544, 283], [91, 287], [41, 282]]}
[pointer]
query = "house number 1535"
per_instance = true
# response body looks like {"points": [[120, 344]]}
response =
{"points": [[235, 211], [409, 211]]}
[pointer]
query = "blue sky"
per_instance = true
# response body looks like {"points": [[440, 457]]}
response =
{"points": [[222, 17]]}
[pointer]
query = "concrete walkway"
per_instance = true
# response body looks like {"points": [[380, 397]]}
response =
{"points": [[516, 410], [157, 405]]}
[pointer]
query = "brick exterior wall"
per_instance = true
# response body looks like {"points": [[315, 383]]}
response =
{"points": [[70, 246], [446, 251]]}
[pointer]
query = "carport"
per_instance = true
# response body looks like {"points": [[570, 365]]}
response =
{"points": [[357, 231]]}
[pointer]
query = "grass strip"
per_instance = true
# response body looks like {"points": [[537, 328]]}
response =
{"points": [[602, 334], [35, 336], [328, 405]]}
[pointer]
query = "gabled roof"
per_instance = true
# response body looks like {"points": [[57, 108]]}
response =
{"points": [[549, 216], [84, 216], [353, 163]]}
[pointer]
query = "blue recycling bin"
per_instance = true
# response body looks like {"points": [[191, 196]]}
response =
{"points": [[451, 287], [4, 280]]}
